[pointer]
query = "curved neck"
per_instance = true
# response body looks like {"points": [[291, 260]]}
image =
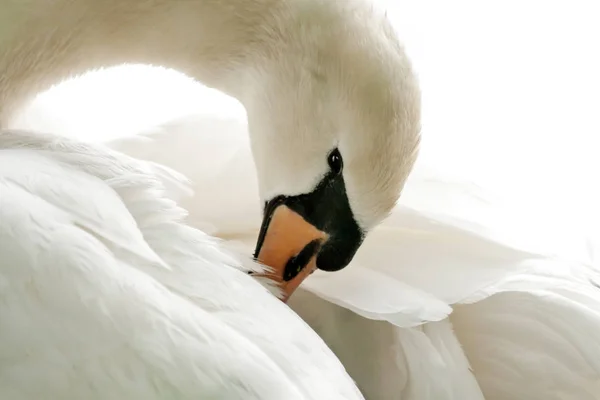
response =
{"points": [[45, 42]]}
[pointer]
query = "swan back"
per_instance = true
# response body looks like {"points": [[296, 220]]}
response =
{"points": [[131, 301]]}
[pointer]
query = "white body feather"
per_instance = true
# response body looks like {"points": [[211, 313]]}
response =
{"points": [[441, 301]]}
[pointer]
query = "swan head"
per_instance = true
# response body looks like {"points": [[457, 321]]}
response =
{"points": [[334, 133]]}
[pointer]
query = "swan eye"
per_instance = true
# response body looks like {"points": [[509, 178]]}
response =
{"points": [[335, 161]]}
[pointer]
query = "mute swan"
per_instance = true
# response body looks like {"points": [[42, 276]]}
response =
{"points": [[534, 337], [92, 250]]}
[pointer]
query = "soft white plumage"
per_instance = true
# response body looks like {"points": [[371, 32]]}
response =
{"points": [[442, 301], [457, 300], [109, 295]]}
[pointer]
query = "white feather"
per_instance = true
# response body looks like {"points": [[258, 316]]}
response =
{"points": [[422, 259], [527, 319], [86, 260]]}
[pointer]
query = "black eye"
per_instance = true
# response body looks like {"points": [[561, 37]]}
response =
{"points": [[335, 161]]}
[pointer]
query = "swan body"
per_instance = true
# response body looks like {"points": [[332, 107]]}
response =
{"points": [[132, 302]]}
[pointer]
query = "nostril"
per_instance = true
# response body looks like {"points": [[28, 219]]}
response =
{"points": [[296, 264]]}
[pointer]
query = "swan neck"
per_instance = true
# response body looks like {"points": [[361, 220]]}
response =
{"points": [[45, 42]]}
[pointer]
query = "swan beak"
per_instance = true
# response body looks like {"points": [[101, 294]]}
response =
{"points": [[289, 247]]}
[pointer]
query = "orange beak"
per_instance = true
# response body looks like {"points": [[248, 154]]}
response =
{"points": [[290, 247]]}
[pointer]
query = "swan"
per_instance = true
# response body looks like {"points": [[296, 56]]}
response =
{"points": [[514, 319], [133, 303]]}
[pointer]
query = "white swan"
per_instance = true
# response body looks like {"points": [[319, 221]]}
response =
{"points": [[529, 324], [92, 250]]}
